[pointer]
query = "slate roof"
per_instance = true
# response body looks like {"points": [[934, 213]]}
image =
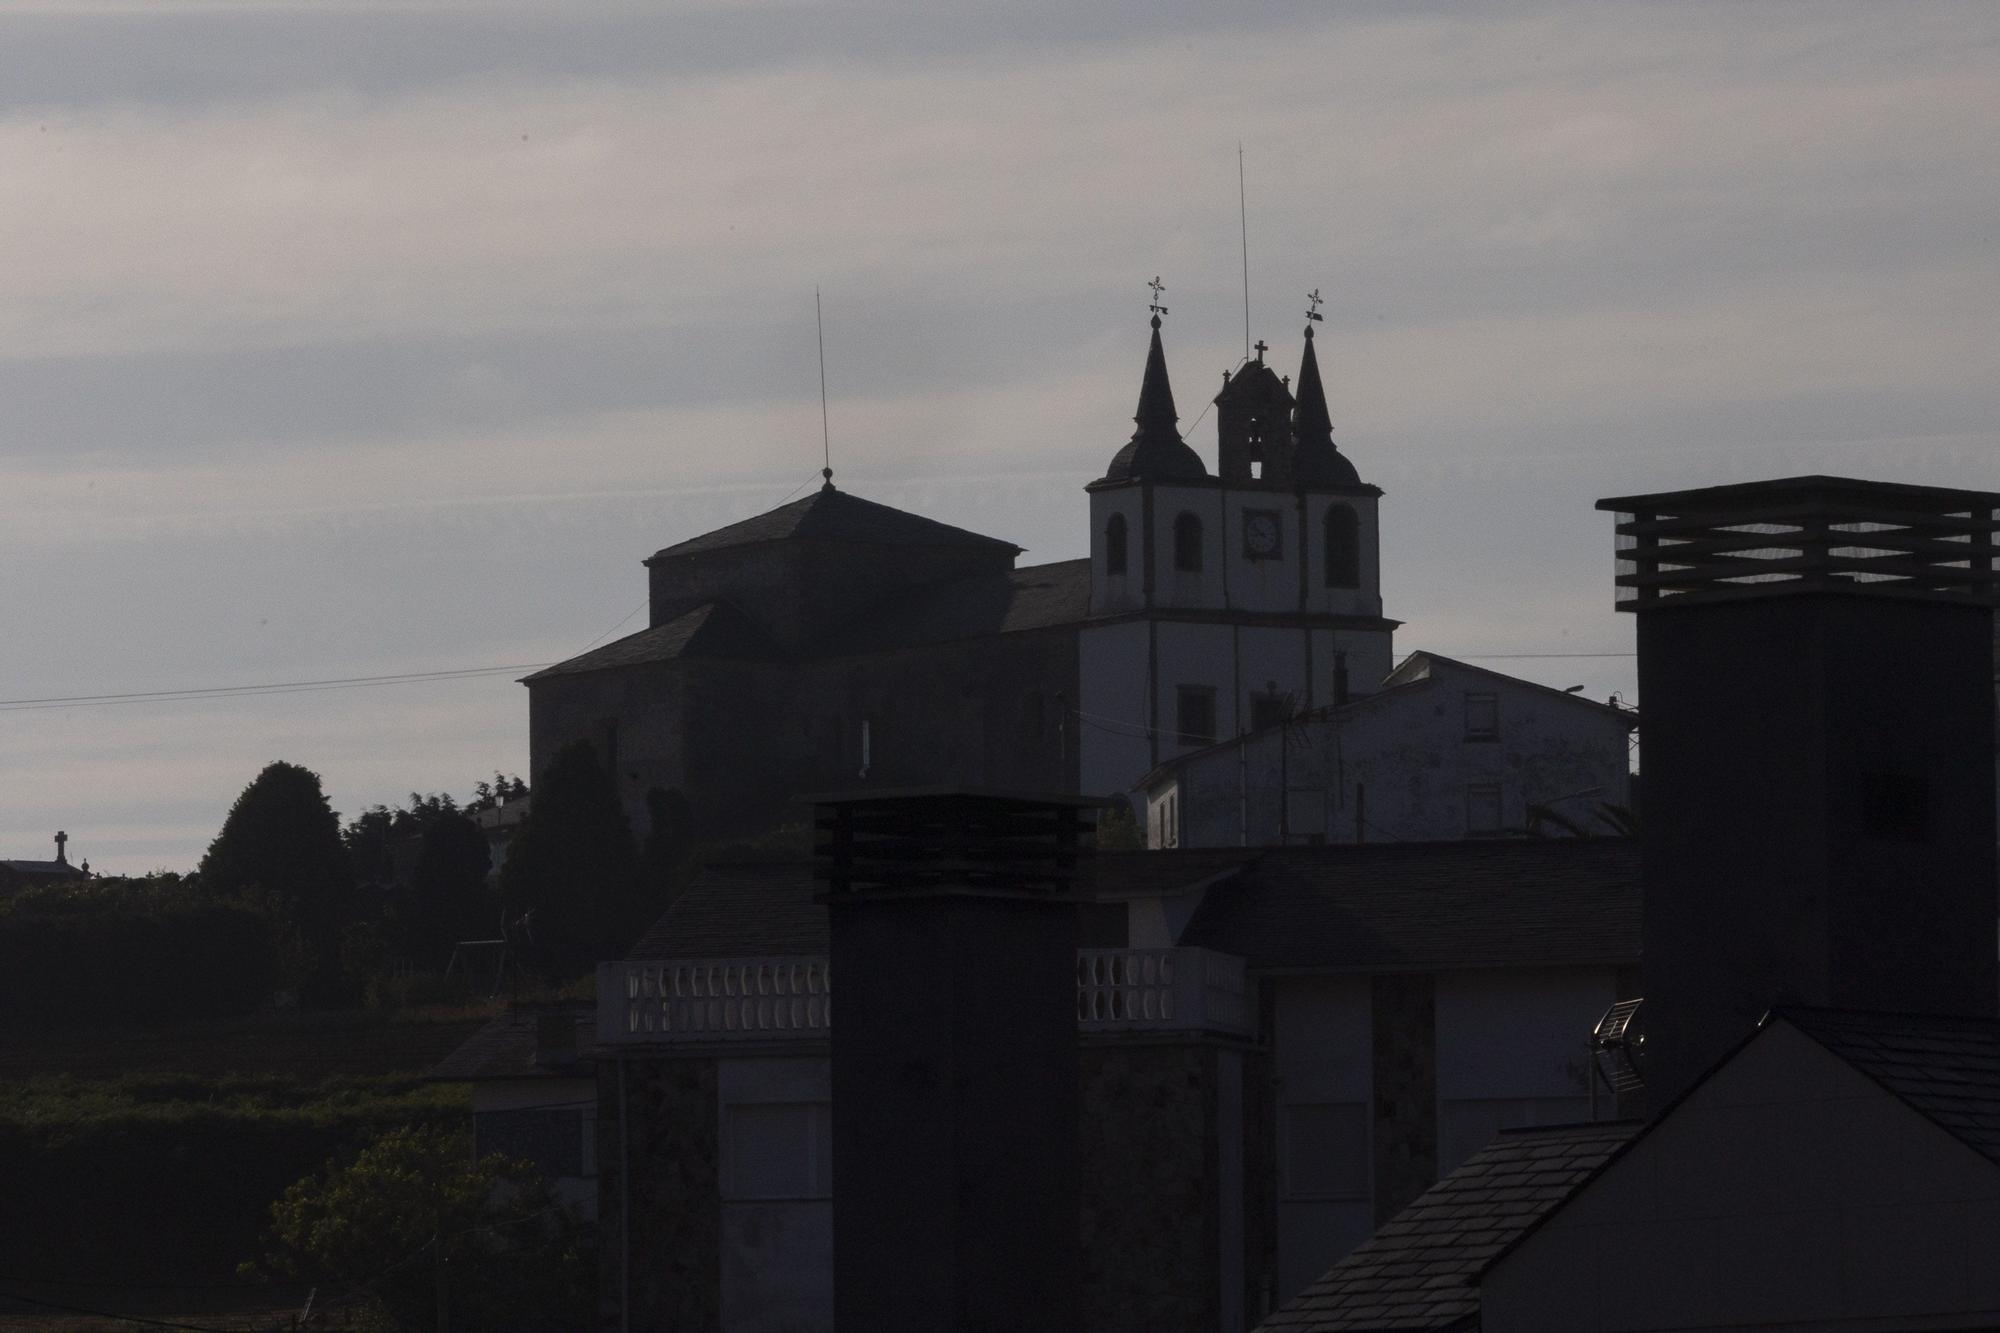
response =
{"points": [[829, 515], [1945, 1069], [1157, 873], [1420, 1269], [505, 1047], [1036, 597], [1420, 906], [52, 869], [741, 910], [714, 630]]}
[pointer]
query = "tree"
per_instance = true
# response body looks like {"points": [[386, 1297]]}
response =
{"points": [[280, 850], [570, 884], [415, 1209]]}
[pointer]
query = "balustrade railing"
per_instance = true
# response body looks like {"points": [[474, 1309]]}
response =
{"points": [[713, 999], [776, 999]]}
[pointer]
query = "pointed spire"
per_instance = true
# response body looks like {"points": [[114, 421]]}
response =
{"points": [[1317, 461], [1312, 424], [1156, 415], [1156, 451]]}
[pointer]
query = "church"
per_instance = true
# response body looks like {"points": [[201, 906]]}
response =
{"points": [[835, 642]]}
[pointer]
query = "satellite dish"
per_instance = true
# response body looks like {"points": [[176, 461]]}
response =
{"points": [[1618, 1047]]}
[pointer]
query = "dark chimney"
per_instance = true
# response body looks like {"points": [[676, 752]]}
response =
{"points": [[953, 938], [555, 1038], [1816, 672]]}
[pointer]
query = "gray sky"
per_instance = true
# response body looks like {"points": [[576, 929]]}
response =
{"points": [[351, 339]]}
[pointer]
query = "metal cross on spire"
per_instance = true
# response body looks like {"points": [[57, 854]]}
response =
{"points": [[1313, 303], [1157, 287]]}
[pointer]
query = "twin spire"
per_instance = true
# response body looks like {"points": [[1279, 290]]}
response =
{"points": [[1156, 451]]}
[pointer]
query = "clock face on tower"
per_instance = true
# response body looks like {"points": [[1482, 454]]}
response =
{"points": [[1263, 538]]}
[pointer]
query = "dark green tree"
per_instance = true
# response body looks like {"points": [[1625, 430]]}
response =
{"points": [[449, 885], [280, 850], [416, 1212], [570, 887]]}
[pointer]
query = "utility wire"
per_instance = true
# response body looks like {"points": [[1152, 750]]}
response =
{"points": [[107, 1314], [267, 687]]}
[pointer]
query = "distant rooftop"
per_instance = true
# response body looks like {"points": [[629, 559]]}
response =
{"points": [[830, 515]]}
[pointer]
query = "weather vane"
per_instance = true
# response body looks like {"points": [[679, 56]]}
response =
{"points": [[1313, 304], [1157, 287]]}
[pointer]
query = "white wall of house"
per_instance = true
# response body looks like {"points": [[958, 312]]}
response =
{"points": [[1322, 1056], [1415, 762], [775, 1121], [1513, 1050], [1789, 1191], [1509, 1051], [1113, 740]]}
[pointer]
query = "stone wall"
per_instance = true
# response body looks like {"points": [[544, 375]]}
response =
{"points": [[1404, 1017], [1154, 1185], [665, 1128]]}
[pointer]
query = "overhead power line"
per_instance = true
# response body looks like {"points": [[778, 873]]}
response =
{"points": [[266, 687]]}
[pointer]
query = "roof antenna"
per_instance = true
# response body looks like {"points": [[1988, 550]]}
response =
{"points": [[1243, 215], [825, 438]]}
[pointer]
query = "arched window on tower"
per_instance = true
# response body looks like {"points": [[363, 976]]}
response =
{"points": [[1187, 544], [1343, 548], [1114, 544]]}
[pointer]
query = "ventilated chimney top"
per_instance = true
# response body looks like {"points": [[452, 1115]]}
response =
{"points": [[1805, 535]]}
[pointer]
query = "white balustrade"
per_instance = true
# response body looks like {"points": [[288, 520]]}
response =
{"points": [[713, 999], [766, 999]]}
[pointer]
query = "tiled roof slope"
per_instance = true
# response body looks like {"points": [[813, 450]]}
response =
{"points": [[746, 910], [1946, 1069], [829, 515], [1037, 597], [713, 630], [1420, 1270], [505, 1047], [1421, 906]]}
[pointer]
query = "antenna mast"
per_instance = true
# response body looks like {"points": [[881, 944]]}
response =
{"points": [[825, 437], [1243, 215]]}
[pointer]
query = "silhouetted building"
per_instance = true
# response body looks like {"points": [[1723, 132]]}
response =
{"points": [[1442, 750], [17, 875], [1275, 1050], [835, 641], [1816, 660], [1821, 1054]]}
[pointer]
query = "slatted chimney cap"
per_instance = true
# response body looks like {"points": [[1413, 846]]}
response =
{"points": [[949, 840], [1806, 534]]}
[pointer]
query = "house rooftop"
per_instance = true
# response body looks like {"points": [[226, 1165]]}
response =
{"points": [[1946, 1069], [1031, 598], [507, 1047], [713, 630], [1420, 1270], [829, 515], [1420, 906]]}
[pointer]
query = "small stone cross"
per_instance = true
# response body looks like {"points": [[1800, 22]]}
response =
{"points": [[1262, 347], [61, 838]]}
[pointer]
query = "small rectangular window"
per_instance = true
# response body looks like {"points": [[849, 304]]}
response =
{"points": [[1196, 715], [1482, 717], [1482, 808]]}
